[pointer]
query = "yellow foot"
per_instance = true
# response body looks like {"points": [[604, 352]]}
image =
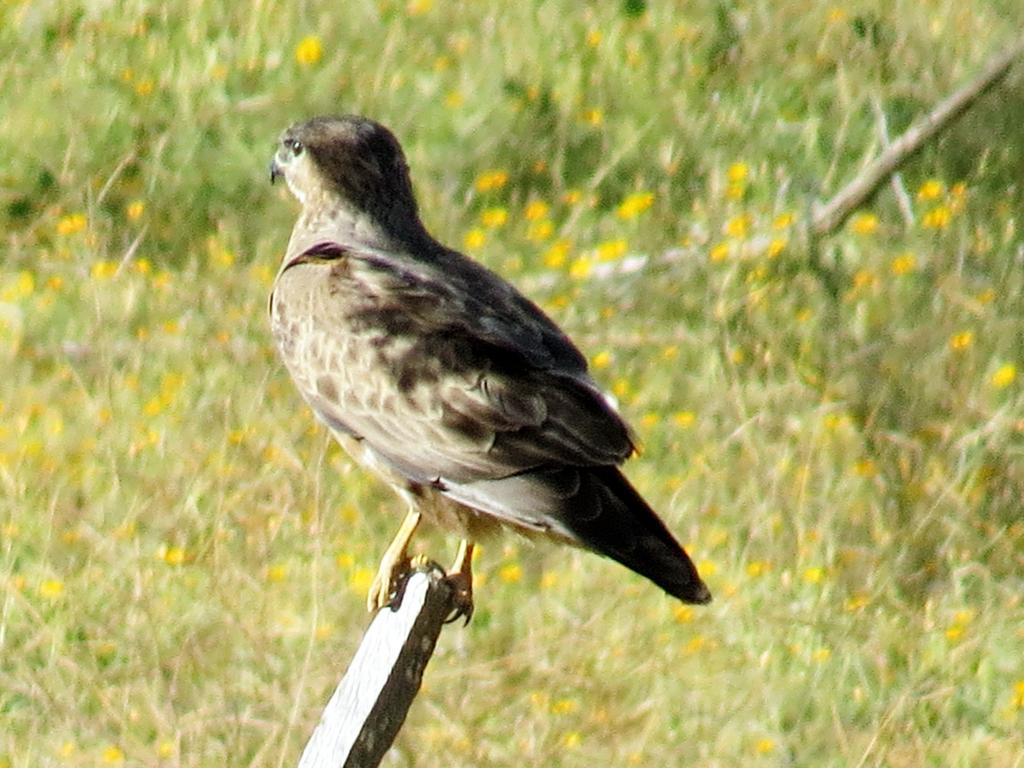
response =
{"points": [[460, 578], [394, 566]]}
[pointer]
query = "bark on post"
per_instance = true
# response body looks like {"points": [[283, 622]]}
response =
{"points": [[370, 703]]}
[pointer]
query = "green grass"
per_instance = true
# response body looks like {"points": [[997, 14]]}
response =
{"points": [[184, 554]]}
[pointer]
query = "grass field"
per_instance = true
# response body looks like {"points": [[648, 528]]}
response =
{"points": [[840, 442]]}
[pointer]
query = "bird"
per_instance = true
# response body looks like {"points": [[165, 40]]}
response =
{"points": [[443, 379]]}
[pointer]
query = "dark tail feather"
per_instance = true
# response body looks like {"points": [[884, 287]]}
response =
{"points": [[611, 518]]}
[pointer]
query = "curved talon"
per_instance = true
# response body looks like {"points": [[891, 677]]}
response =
{"points": [[385, 583], [460, 578], [394, 566], [462, 597]]}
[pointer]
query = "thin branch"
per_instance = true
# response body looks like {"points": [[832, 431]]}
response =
{"points": [[830, 216], [896, 182]]}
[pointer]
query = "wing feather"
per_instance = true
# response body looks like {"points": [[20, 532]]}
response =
{"points": [[449, 379]]}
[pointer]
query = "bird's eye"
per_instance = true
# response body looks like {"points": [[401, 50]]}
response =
{"points": [[294, 145]]}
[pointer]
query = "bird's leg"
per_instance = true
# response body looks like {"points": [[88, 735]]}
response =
{"points": [[393, 565], [460, 577]]}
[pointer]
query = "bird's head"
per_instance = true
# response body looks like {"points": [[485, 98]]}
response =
{"points": [[350, 163]]}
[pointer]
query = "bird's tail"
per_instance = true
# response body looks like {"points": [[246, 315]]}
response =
{"points": [[608, 516]]}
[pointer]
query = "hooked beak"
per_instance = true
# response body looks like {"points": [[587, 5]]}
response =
{"points": [[275, 171]]}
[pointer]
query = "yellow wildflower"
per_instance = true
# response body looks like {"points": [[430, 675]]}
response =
{"points": [[20, 287], [51, 589], [864, 223], [856, 602], [419, 7], [738, 226], [601, 360], [112, 755], [903, 264], [719, 252], [145, 86], [707, 568], [757, 568], [564, 706], [556, 255], [737, 172], [775, 247], [783, 221], [538, 231], [594, 37], [536, 210], [683, 419], [572, 739], [71, 224], [1004, 376], [593, 116], [511, 573], [937, 218], [635, 204], [1018, 695], [865, 468], [650, 419], [134, 210], [103, 269], [172, 555], [610, 250], [736, 190], [683, 613], [572, 196], [491, 180], [492, 218], [695, 644], [814, 575], [864, 278], [277, 573], [360, 579], [580, 268], [932, 189], [454, 99], [309, 51], [961, 341], [474, 239]]}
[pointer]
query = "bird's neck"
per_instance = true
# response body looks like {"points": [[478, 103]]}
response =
{"points": [[329, 218]]}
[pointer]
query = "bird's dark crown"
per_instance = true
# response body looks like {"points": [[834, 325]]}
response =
{"points": [[361, 161]]}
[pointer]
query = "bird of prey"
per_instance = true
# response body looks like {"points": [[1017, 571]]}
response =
{"points": [[441, 377]]}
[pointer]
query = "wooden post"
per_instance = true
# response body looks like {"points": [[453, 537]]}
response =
{"points": [[370, 703]]}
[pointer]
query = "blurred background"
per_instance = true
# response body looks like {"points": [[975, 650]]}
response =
{"points": [[838, 440]]}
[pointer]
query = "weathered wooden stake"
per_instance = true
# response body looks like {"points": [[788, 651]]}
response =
{"points": [[370, 703]]}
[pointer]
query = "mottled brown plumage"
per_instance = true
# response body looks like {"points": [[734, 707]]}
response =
{"points": [[436, 373]]}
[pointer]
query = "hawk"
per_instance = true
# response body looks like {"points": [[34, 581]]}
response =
{"points": [[441, 377]]}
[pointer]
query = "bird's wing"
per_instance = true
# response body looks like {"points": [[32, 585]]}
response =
{"points": [[450, 378]]}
